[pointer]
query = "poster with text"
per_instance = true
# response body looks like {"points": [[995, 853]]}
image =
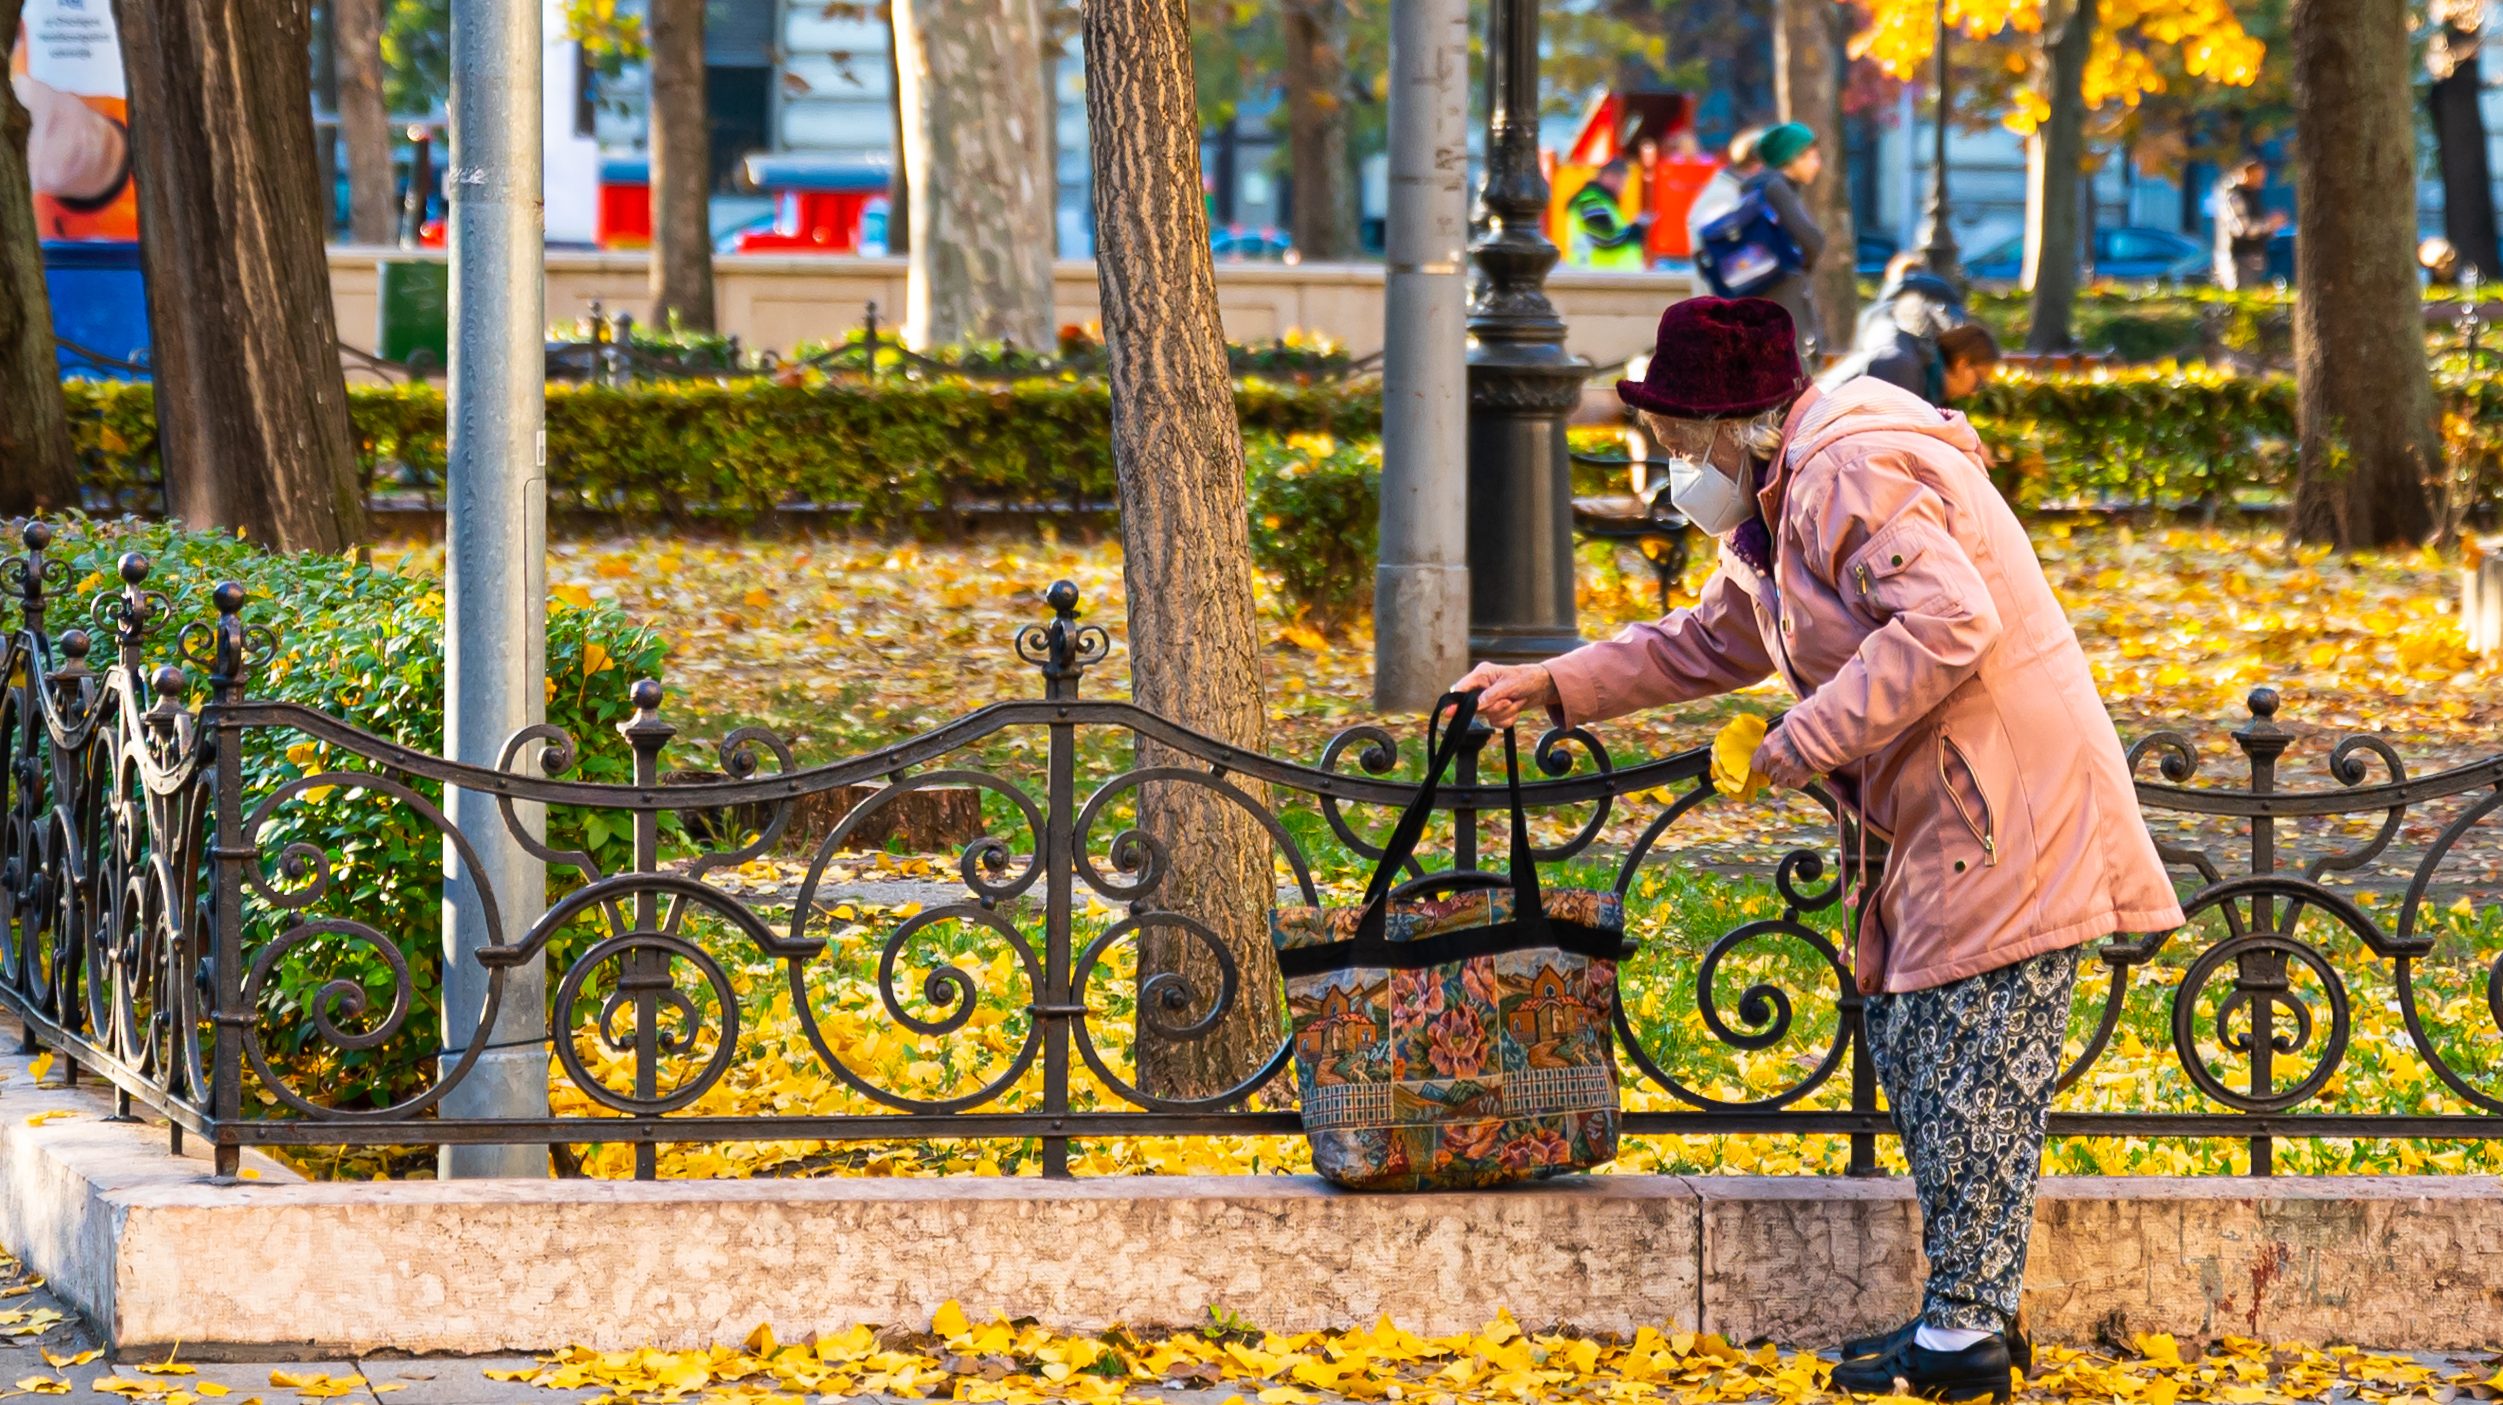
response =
{"points": [[67, 71]]}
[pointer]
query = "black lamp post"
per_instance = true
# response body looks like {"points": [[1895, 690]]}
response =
{"points": [[1522, 382], [1937, 225]]}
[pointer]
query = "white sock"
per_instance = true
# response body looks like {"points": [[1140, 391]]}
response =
{"points": [[1948, 1338]]}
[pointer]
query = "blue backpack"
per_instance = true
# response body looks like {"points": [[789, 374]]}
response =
{"points": [[1747, 251]]}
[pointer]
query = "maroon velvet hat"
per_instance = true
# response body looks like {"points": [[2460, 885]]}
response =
{"points": [[1719, 358]]}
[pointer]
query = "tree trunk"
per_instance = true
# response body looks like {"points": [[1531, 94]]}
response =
{"points": [[2365, 397], [2459, 128], [364, 120], [1323, 220], [682, 168], [1808, 64], [252, 411], [1186, 554], [975, 148], [2056, 168], [37, 471], [899, 191]]}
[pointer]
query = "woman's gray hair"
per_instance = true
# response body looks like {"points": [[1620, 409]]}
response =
{"points": [[1760, 435]]}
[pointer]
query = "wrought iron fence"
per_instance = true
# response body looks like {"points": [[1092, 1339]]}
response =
{"points": [[167, 920]]}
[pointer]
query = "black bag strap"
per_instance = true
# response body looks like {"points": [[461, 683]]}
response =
{"points": [[1441, 750], [1529, 926]]}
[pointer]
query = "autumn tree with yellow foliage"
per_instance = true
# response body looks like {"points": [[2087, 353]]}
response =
{"points": [[2069, 58]]}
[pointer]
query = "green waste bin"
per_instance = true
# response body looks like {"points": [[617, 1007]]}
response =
{"points": [[413, 313]]}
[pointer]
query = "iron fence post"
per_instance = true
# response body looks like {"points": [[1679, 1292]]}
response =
{"points": [[228, 1014], [2260, 976], [1857, 868], [18, 784], [1061, 670], [647, 973]]}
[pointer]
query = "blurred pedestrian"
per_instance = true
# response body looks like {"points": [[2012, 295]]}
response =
{"points": [[2244, 225], [1912, 298], [1603, 238], [1728, 186], [1791, 161], [1932, 352]]}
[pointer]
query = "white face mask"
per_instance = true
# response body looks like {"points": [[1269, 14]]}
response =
{"points": [[1707, 497]]}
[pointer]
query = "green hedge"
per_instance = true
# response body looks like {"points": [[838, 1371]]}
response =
{"points": [[366, 645], [885, 455], [887, 452]]}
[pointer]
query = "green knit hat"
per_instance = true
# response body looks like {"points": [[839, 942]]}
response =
{"points": [[1781, 145]]}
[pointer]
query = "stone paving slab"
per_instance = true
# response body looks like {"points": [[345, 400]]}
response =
{"points": [[462, 1380]]}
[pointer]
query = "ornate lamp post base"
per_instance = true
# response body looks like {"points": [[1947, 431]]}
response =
{"points": [[1521, 500]]}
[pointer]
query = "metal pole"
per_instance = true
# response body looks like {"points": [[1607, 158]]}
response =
{"points": [[1937, 222], [1421, 586], [1522, 382], [495, 572]]}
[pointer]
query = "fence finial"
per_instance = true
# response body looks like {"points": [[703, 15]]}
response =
{"points": [[1064, 647], [230, 661]]}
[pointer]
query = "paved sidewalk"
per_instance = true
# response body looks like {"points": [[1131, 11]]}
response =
{"points": [[46, 1351]]}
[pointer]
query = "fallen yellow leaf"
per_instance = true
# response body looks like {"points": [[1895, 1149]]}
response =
{"points": [[1733, 757]]}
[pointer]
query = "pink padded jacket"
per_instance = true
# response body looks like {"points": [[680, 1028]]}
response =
{"points": [[1942, 691]]}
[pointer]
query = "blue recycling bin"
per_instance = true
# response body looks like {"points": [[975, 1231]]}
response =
{"points": [[99, 309]]}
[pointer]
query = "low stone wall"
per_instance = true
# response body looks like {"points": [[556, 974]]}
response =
{"points": [[157, 1254], [778, 301]]}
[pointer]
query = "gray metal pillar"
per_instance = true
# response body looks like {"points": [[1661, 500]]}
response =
{"points": [[1522, 382], [1421, 584], [495, 571]]}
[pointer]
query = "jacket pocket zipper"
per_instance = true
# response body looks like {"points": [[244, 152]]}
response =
{"points": [[1863, 570], [1985, 830]]}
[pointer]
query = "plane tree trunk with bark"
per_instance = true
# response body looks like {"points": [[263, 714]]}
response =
{"points": [[2364, 394], [251, 405], [977, 166], [1323, 219], [682, 168], [1186, 554], [2058, 160], [37, 470], [364, 120], [1808, 70]]}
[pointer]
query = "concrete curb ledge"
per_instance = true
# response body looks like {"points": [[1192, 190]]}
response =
{"points": [[155, 1254]]}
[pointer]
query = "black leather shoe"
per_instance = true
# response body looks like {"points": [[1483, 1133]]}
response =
{"points": [[2020, 1346], [1979, 1372], [1858, 1347]]}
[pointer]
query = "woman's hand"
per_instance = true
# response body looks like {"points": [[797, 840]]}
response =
{"points": [[1779, 762], [1506, 690]]}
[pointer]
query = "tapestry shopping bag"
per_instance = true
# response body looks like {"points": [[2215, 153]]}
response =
{"points": [[1457, 1041]]}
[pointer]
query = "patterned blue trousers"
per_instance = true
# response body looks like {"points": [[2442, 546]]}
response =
{"points": [[1968, 1070]]}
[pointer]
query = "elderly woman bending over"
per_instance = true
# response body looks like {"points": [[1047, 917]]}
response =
{"points": [[1866, 559]]}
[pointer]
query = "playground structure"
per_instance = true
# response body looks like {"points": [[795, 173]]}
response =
{"points": [[1653, 131]]}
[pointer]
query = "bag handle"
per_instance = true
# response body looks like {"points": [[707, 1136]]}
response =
{"points": [[1442, 750]]}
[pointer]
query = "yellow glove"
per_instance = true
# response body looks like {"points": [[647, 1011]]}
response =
{"points": [[1733, 758]]}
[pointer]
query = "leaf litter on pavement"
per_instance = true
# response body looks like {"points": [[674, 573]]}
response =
{"points": [[1227, 1362]]}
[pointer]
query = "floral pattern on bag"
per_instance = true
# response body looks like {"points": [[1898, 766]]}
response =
{"points": [[1480, 1072]]}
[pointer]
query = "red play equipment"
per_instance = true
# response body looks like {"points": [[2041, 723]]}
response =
{"points": [[625, 211], [817, 203], [1647, 129]]}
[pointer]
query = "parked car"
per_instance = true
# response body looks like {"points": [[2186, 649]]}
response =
{"points": [[2131, 253], [1238, 244], [1874, 253]]}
